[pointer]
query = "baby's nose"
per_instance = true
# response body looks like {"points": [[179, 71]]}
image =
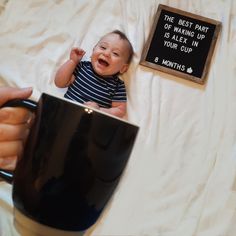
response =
{"points": [[107, 53]]}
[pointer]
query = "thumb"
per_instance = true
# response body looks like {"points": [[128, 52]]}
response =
{"points": [[9, 93]]}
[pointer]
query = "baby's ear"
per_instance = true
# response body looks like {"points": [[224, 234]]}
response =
{"points": [[124, 68]]}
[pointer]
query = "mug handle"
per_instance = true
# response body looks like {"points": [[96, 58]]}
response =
{"points": [[26, 103]]}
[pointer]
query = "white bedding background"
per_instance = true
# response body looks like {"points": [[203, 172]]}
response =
{"points": [[180, 180]]}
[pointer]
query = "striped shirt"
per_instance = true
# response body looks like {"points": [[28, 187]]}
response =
{"points": [[89, 86]]}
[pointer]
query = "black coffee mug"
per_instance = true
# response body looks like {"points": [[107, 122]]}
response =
{"points": [[72, 162]]}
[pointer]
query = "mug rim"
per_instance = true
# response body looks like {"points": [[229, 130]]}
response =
{"points": [[89, 108]]}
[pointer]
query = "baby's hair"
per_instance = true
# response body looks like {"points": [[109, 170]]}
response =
{"points": [[124, 37]]}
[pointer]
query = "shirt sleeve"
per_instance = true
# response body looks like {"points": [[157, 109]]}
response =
{"points": [[78, 67]]}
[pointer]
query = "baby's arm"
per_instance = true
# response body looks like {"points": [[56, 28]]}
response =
{"points": [[117, 109], [64, 76]]}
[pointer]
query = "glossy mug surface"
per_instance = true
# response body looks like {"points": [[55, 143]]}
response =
{"points": [[72, 163]]}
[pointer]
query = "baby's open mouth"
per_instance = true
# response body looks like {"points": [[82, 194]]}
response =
{"points": [[103, 62]]}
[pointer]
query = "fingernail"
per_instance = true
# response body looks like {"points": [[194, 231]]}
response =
{"points": [[27, 88]]}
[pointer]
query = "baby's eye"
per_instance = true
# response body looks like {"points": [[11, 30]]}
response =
{"points": [[116, 54], [102, 47]]}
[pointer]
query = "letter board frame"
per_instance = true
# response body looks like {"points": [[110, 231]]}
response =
{"points": [[181, 43]]}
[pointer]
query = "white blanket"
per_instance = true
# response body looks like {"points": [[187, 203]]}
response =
{"points": [[180, 180]]}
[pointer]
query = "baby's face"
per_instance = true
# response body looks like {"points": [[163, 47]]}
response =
{"points": [[110, 55]]}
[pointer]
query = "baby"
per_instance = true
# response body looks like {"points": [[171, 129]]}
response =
{"points": [[96, 83]]}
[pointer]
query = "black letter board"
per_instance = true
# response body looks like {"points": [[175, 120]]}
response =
{"points": [[181, 43]]}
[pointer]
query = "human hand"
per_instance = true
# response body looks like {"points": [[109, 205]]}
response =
{"points": [[76, 55], [92, 104], [15, 124]]}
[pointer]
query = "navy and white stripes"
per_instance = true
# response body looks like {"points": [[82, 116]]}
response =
{"points": [[88, 86]]}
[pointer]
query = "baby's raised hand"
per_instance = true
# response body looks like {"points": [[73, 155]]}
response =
{"points": [[76, 55]]}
